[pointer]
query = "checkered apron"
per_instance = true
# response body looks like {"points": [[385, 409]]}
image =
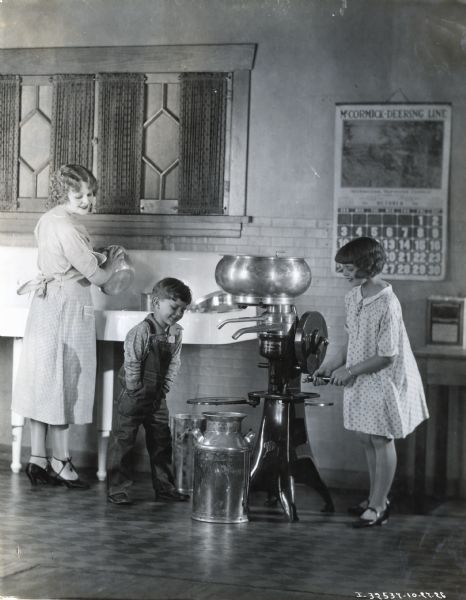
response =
{"points": [[56, 376]]}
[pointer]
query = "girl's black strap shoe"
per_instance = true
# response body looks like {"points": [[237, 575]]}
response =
{"points": [[70, 483], [379, 519], [358, 509]]}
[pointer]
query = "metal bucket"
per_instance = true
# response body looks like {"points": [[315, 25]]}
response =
{"points": [[221, 470], [182, 426], [146, 301]]}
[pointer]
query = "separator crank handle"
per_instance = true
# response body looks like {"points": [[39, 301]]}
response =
{"points": [[311, 379]]}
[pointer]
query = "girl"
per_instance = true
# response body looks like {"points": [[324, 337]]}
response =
{"points": [[56, 376], [383, 397]]}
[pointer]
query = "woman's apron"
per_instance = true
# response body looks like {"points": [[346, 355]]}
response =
{"points": [[55, 382]]}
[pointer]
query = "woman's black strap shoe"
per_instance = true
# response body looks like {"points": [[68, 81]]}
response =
{"points": [[70, 483], [38, 475]]}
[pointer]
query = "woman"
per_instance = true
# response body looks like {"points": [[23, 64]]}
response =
{"points": [[56, 377]]}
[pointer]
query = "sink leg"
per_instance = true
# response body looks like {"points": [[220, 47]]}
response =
{"points": [[17, 421], [105, 374], [102, 455], [17, 427]]}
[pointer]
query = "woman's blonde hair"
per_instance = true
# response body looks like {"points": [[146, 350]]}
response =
{"points": [[69, 177]]}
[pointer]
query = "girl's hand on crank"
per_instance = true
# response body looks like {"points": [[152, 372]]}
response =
{"points": [[321, 375], [341, 376]]}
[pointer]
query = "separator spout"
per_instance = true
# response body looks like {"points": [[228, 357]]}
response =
{"points": [[257, 319], [258, 329]]}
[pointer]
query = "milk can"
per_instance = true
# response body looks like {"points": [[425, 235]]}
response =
{"points": [[182, 426], [221, 470]]}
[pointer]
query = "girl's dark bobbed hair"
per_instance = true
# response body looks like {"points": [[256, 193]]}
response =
{"points": [[69, 177], [367, 254]]}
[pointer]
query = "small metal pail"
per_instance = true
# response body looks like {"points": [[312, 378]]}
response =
{"points": [[146, 301], [182, 426], [221, 470]]}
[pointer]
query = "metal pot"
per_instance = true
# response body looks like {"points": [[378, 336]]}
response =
{"points": [[267, 279], [123, 276]]}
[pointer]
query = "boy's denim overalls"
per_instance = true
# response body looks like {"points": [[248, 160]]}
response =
{"points": [[148, 407]]}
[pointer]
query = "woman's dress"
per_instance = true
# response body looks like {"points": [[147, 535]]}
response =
{"points": [[56, 375]]}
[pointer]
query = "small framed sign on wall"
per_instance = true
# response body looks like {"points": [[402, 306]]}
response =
{"points": [[391, 183]]}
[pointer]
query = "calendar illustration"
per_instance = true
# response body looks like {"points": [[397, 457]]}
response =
{"points": [[391, 183]]}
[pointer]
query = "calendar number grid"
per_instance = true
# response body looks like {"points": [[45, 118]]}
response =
{"points": [[412, 238]]}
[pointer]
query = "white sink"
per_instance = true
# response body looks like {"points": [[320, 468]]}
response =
{"points": [[115, 315], [113, 325], [13, 321], [198, 328]]}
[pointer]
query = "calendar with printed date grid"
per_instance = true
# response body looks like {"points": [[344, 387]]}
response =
{"points": [[391, 183], [412, 238]]}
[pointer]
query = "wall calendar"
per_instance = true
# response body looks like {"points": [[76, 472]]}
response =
{"points": [[391, 183]]}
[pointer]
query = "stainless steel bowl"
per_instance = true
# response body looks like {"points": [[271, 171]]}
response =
{"points": [[266, 279], [215, 302]]}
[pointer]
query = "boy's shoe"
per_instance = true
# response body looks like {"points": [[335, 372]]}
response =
{"points": [[120, 498], [170, 495]]}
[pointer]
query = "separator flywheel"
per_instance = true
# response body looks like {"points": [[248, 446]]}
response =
{"points": [[311, 341]]}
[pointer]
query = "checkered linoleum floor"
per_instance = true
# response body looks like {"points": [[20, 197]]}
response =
{"points": [[152, 550]]}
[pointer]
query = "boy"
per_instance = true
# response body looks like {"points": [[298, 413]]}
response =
{"points": [[152, 360]]}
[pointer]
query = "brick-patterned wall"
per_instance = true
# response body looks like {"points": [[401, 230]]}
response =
{"points": [[231, 369], [307, 238]]}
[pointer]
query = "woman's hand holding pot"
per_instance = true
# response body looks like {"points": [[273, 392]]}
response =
{"points": [[114, 254], [119, 269]]}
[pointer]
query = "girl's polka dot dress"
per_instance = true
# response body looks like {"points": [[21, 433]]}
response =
{"points": [[391, 402]]}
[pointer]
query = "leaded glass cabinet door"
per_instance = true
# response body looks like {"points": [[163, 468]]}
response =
{"points": [[34, 143], [160, 154]]}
